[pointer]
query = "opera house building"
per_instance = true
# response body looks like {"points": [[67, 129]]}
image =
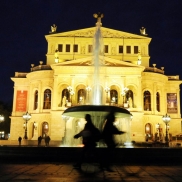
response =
{"points": [[66, 80]]}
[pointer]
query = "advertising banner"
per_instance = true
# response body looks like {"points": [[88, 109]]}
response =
{"points": [[21, 101], [172, 103]]}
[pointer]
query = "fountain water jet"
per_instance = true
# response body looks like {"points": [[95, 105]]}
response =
{"points": [[97, 110]]}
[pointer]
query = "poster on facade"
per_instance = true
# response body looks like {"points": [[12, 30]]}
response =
{"points": [[21, 101], [172, 103]]}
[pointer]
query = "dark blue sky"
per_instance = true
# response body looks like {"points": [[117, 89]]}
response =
{"points": [[25, 23]]}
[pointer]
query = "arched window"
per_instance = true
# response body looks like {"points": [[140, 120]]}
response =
{"points": [[47, 99], [81, 96], [114, 96], [45, 129], [129, 98], [147, 101], [35, 100], [64, 97], [158, 101]]}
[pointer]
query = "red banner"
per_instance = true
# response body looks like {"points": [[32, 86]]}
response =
{"points": [[21, 101]]}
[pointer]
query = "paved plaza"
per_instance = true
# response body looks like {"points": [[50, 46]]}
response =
{"points": [[64, 172]]}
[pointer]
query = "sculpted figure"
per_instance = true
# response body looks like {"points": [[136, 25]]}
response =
{"points": [[53, 28]]}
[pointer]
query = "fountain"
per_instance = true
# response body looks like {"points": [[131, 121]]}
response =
{"points": [[73, 116]]}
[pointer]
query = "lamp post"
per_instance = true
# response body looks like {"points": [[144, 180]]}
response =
{"points": [[158, 131], [26, 117], [166, 118]]}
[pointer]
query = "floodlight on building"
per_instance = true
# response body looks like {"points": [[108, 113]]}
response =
{"points": [[56, 55]]}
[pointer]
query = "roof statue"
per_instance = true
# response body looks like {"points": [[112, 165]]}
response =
{"points": [[143, 31], [53, 28], [98, 16]]}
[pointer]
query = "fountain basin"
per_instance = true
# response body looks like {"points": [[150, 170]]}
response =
{"points": [[80, 111]]}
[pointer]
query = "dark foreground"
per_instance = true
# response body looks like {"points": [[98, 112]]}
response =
{"points": [[64, 172], [55, 164], [138, 156]]}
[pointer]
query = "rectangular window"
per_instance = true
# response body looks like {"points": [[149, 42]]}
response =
{"points": [[106, 48], [128, 49], [135, 49], [121, 49], [67, 47], [75, 48], [90, 47], [60, 47]]}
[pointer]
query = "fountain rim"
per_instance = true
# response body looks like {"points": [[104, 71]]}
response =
{"points": [[81, 110]]}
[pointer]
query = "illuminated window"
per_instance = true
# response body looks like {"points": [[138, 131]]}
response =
{"points": [[129, 98], [158, 101], [35, 100], [81, 96], [120, 49], [67, 47], [135, 49], [47, 99], [75, 48], [147, 101], [60, 47], [128, 49], [113, 96], [106, 48]]}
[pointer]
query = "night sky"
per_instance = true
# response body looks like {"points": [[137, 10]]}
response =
{"points": [[24, 25]]}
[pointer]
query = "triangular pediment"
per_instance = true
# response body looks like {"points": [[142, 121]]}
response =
{"points": [[104, 61], [106, 33]]}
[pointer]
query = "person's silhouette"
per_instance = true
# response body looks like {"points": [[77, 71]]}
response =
{"points": [[108, 133], [90, 135]]}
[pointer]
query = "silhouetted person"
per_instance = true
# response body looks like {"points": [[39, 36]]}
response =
{"points": [[90, 135], [47, 140], [108, 133], [39, 140], [19, 140]]}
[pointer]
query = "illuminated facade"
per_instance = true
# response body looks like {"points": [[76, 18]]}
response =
{"points": [[65, 80]]}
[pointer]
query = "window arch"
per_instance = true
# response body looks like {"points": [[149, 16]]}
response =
{"points": [[45, 129], [158, 101], [35, 100], [81, 96], [47, 99], [114, 96], [147, 101]]}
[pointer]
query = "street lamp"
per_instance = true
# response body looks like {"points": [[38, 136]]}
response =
{"points": [[26, 117], [166, 120]]}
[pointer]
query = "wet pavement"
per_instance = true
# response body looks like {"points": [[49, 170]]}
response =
{"points": [[64, 172]]}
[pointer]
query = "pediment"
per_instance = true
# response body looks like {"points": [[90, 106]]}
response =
{"points": [[104, 61], [106, 33]]}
